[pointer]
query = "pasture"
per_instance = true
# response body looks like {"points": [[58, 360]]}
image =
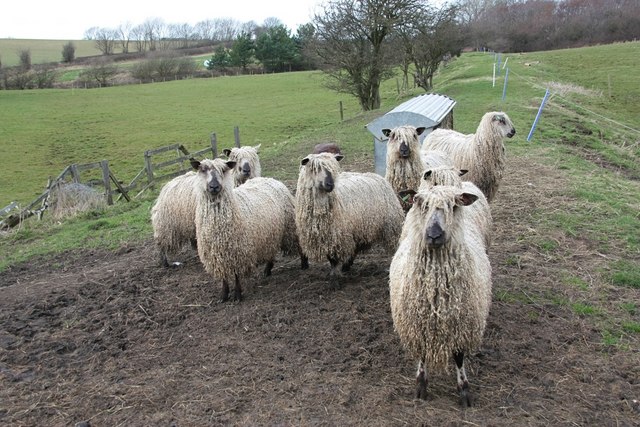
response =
{"points": [[92, 330]]}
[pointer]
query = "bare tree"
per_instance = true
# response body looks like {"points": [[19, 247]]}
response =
{"points": [[354, 44], [138, 37], [25, 59], [100, 71], [430, 38], [124, 34], [68, 52], [105, 40], [152, 32]]}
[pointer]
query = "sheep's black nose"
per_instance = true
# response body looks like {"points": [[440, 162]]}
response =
{"points": [[214, 188], [435, 235], [510, 134], [246, 170], [404, 150]]}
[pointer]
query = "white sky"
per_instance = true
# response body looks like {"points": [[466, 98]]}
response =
{"points": [[69, 19]]}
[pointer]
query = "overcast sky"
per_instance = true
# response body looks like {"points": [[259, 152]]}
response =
{"points": [[69, 19]]}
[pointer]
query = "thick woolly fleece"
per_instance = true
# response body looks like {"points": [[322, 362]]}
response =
{"points": [[482, 153], [242, 227], [440, 297], [362, 210]]}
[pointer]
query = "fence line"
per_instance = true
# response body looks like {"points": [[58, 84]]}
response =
{"points": [[154, 172]]}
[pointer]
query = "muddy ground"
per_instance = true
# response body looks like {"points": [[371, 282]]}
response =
{"points": [[107, 338]]}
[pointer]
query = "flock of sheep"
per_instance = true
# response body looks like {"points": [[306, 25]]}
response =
{"points": [[431, 210]]}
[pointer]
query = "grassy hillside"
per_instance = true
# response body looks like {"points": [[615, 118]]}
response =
{"points": [[583, 130], [42, 50]]}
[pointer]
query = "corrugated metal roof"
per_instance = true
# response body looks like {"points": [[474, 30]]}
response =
{"points": [[425, 110]]}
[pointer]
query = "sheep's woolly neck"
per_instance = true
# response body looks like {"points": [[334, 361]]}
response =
{"points": [[440, 298], [361, 210], [485, 161]]}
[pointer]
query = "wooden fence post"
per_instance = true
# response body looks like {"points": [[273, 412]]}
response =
{"points": [[74, 173], [214, 145], [104, 164], [148, 166], [236, 135]]}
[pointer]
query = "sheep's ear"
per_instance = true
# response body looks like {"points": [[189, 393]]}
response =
{"points": [[462, 172], [420, 130], [386, 132], [257, 147], [465, 199], [231, 164], [427, 175], [339, 157], [407, 196], [194, 163], [226, 152], [304, 161]]}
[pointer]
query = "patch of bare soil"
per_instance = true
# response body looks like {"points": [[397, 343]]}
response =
{"points": [[109, 338]]}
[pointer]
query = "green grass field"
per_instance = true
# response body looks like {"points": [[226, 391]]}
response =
{"points": [[42, 51], [592, 110]]}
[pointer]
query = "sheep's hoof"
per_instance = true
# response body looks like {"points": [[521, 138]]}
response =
{"points": [[237, 295], [465, 396]]}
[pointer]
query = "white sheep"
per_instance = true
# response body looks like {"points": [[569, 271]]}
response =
{"points": [[239, 228], [338, 214], [247, 162], [404, 165], [482, 152], [440, 284], [173, 214]]}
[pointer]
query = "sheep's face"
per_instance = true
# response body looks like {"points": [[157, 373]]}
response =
{"points": [[504, 125], [403, 141], [212, 174], [320, 170], [244, 158], [437, 209]]}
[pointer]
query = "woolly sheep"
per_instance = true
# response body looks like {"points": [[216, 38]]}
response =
{"points": [[340, 213], [482, 152], [404, 165], [239, 228], [440, 284], [173, 214], [247, 162]]}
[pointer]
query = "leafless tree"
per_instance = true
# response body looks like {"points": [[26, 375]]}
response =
{"points": [[25, 59], [353, 43], [105, 40], [124, 35]]}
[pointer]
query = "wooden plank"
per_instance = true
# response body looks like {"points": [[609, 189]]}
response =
{"points": [[162, 149], [88, 166], [106, 176]]}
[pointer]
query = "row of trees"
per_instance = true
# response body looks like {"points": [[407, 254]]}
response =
{"points": [[529, 25]]}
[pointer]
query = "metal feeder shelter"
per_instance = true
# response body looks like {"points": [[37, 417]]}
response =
{"points": [[430, 110]]}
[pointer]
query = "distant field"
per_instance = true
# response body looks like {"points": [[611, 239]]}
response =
{"points": [[42, 50]]}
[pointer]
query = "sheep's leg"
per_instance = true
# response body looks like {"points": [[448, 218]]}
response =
{"points": [[421, 382], [333, 273], [224, 296], [163, 259], [237, 291], [347, 265], [304, 262], [463, 382], [268, 268]]}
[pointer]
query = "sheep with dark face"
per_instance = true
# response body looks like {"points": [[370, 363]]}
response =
{"points": [[240, 228], [340, 213], [173, 214], [326, 147], [482, 153], [404, 165], [440, 284], [247, 162]]}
